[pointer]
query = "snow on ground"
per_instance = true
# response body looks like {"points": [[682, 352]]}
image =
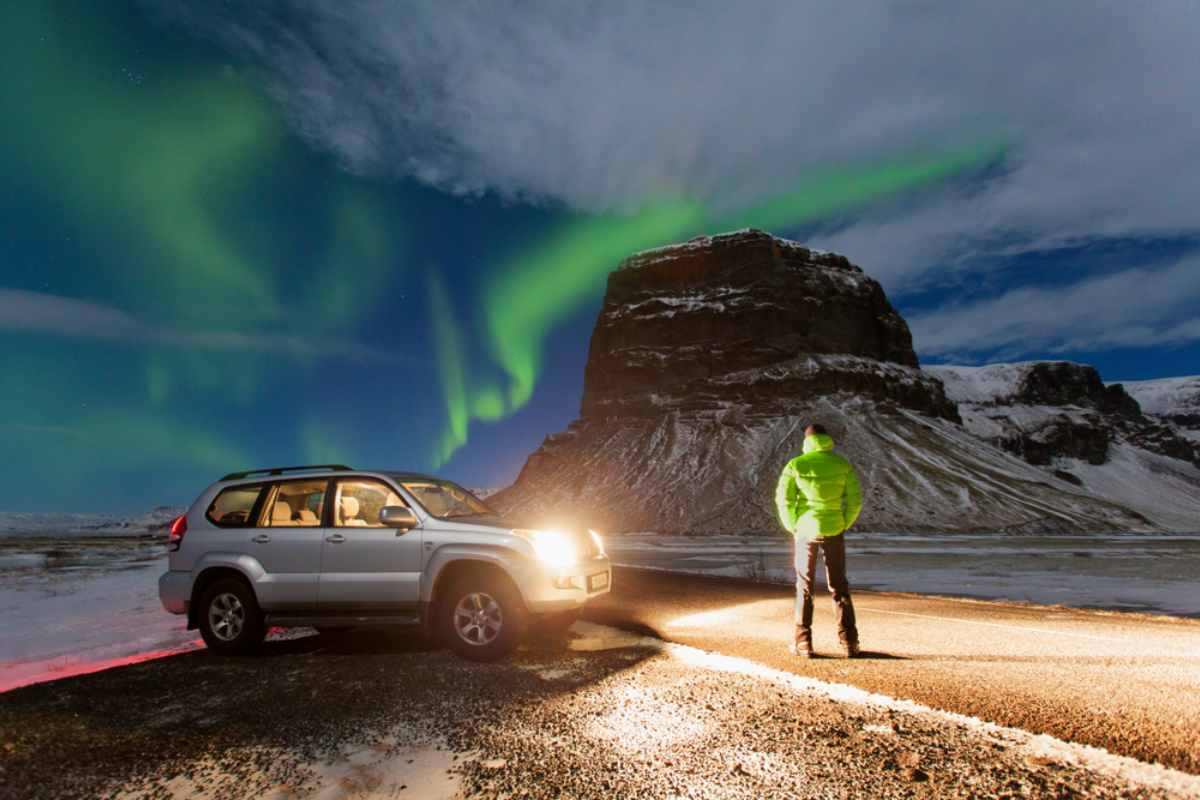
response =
{"points": [[1167, 396], [1162, 488], [381, 769], [987, 384], [77, 607], [35, 524]]}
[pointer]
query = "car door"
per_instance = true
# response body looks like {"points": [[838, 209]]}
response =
{"points": [[287, 543], [364, 565]]}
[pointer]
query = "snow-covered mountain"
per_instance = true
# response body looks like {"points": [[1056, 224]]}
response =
{"points": [[1060, 416], [14, 524], [1173, 399], [708, 359]]}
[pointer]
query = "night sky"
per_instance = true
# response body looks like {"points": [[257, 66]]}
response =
{"points": [[239, 235]]}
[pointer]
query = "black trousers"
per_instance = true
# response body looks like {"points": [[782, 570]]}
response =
{"points": [[834, 550]]}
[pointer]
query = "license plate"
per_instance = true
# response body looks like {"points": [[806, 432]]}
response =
{"points": [[598, 582]]}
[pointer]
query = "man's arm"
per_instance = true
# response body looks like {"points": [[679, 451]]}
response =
{"points": [[853, 497], [787, 496]]}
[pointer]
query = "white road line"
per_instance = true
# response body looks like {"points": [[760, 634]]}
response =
{"points": [[1134, 772]]}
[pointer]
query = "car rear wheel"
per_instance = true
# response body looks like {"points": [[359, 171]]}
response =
{"points": [[230, 620], [482, 617]]}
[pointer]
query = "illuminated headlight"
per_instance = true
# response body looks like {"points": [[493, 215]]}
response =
{"points": [[555, 548], [597, 541]]}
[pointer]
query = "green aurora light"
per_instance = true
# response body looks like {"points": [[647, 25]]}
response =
{"points": [[533, 293], [189, 171]]}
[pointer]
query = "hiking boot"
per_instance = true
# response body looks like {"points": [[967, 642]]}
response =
{"points": [[802, 645], [802, 649], [852, 650]]}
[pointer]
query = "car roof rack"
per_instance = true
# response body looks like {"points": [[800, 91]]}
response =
{"points": [[235, 476]]}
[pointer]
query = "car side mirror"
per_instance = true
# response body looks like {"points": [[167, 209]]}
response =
{"points": [[398, 517]]}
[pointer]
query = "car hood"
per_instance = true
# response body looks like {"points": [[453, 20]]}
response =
{"points": [[491, 522]]}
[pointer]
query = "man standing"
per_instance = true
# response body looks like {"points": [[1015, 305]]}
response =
{"points": [[818, 498]]}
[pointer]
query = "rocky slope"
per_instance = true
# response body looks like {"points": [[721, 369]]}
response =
{"points": [[708, 359], [1176, 400], [1061, 416]]}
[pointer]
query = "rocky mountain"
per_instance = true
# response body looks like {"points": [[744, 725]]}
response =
{"points": [[1061, 416], [706, 362], [1176, 400]]}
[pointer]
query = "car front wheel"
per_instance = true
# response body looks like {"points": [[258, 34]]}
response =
{"points": [[230, 620], [482, 617]]}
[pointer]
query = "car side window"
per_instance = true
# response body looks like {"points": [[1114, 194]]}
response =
{"points": [[294, 504], [359, 503], [232, 507]]}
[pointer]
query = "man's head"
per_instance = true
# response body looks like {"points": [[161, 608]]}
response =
{"points": [[815, 429]]}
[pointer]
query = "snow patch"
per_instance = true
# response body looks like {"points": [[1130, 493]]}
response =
{"points": [[992, 383], [1166, 396], [589, 637]]}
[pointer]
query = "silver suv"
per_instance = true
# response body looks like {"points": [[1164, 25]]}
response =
{"points": [[331, 547]]}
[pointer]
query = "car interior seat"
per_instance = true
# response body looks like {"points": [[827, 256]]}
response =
{"points": [[281, 514], [348, 512]]}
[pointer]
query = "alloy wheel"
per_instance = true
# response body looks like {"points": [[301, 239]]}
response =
{"points": [[226, 616], [478, 618]]}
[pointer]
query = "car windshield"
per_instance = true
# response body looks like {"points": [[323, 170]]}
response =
{"points": [[446, 500]]}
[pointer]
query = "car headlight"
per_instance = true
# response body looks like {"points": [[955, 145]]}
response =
{"points": [[555, 548], [599, 542]]}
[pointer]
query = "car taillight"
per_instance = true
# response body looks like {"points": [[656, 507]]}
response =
{"points": [[178, 529]]}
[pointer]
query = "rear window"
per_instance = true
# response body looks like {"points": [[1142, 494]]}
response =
{"points": [[233, 507], [295, 504]]}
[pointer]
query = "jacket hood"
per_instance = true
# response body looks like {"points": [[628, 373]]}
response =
{"points": [[819, 441]]}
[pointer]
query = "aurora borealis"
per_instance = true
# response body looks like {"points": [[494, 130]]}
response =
{"points": [[164, 187], [528, 297], [194, 280]]}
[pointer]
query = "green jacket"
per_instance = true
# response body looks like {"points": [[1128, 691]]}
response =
{"points": [[818, 493]]}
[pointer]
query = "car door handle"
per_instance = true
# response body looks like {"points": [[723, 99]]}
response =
{"points": [[262, 538], [336, 538]]}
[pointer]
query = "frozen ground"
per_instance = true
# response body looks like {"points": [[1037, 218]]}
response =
{"points": [[75, 604], [1128, 572], [80, 602], [32, 524]]}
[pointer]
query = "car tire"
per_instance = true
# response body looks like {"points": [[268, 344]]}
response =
{"points": [[230, 619], [556, 624], [481, 617]]}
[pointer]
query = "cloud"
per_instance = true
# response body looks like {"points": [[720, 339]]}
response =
{"points": [[603, 106], [1139, 307], [37, 312]]}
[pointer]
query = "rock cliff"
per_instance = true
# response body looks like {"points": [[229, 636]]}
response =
{"points": [[751, 320], [708, 359], [1061, 416]]}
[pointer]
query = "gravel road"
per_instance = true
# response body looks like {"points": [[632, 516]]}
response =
{"points": [[602, 714], [1128, 683]]}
